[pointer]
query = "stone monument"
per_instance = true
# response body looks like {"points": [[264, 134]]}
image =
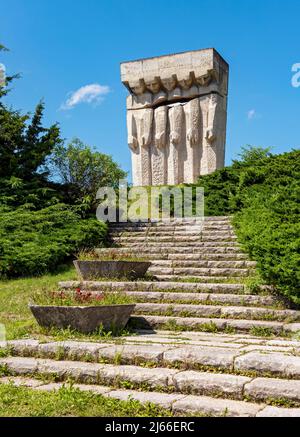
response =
{"points": [[176, 116]]}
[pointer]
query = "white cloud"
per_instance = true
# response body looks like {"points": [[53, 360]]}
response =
{"points": [[2, 75], [92, 93], [251, 114]]}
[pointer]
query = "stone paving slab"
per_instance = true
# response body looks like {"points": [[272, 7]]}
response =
{"points": [[205, 356], [21, 382], [153, 321], [279, 412], [96, 389], [146, 353], [80, 371], [211, 383], [270, 388], [216, 407], [274, 363], [164, 400], [51, 386], [72, 348], [20, 365], [231, 312]]}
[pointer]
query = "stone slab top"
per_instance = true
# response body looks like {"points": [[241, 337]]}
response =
{"points": [[183, 70]]}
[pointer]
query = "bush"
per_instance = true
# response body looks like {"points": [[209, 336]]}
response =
{"points": [[82, 171], [262, 192], [36, 242]]}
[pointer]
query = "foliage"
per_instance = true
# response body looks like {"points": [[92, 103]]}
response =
{"points": [[83, 171], [38, 228], [110, 254], [70, 401], [82, 298], [36, 242], [262, 191], [24, 142]]}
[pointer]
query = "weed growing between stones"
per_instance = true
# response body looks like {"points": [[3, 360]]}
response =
{"points": [[68, 400]]}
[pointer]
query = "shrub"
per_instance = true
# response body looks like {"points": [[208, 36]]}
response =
{"points": [[262, 192], [35, 242]]}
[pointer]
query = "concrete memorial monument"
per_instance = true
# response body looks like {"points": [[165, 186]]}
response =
{"points": [[176, 116]]}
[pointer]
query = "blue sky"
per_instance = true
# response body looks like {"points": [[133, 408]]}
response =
{"points": [[60, 46]]}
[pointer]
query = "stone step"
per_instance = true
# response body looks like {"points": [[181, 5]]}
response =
{"points": [[195, 271], [176, 222], [177, 404], [195, 298], [174, 380], [186, 239], [182, 245], [217, 311], [194, 257], [202, 250], [146, 321], [244, 341], [171, 230], [204, 263], [196, 278], [174, 286]]}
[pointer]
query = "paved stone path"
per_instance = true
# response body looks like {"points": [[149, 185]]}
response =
{"points": [[247, 363]]}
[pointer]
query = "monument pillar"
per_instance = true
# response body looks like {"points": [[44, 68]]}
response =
{"points": [[176, 116]]}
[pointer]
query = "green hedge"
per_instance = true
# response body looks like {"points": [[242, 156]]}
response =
{"points": [[262, 194], [36, 242]]}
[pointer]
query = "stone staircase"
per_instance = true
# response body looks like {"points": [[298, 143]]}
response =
{"points": [[204, 343]]}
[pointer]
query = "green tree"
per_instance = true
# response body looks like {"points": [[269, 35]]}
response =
{"points": [[83, 171], [24, 142]]}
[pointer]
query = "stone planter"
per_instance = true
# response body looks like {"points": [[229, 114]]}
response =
{"points": [[89, 270], [85, 319]]}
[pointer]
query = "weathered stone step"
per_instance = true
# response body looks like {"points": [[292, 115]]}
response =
{"points": [[204, 263], [176, 403], [167, 379], [180, 250], [194, 257], [174, 286], [244, 341], [186, 239], [207, 256], [171, 230], [195, 271], [196, 278], [145, 321], [195, 298], [219, 311], [209, 220], [198, 245]]}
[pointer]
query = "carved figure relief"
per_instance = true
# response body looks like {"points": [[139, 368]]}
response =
{"points": [[193, 140], [176, 116], [176, 144]]}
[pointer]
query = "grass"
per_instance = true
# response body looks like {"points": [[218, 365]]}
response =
{"points": [[110, 254], [80, 298], [70, 401]]}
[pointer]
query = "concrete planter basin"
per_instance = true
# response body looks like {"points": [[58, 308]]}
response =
{"points": [[89, 270], [85, 319]]}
